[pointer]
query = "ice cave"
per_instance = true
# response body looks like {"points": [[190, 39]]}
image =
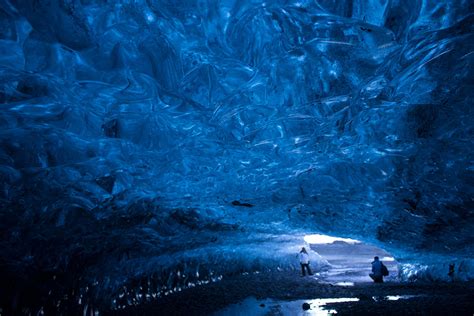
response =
{"points": [[163, 157]]}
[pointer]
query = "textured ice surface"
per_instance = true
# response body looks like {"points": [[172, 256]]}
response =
{"points": [[136, 135]]}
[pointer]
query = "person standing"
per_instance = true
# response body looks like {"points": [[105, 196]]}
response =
{"points": [[304, 261], [451, 272]]}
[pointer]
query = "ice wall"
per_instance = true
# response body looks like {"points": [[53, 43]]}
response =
{"points": [[138, 131]]}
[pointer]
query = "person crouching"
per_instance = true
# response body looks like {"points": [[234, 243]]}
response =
{"points": [[376, 274]]}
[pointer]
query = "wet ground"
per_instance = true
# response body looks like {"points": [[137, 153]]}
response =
{"points": [[345, 289], [275, 290]]}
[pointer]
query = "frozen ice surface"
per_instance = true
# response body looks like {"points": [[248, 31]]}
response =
{"points": [[142, 138]]}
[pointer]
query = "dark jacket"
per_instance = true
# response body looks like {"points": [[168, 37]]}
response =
{"points": [[377, 267]]}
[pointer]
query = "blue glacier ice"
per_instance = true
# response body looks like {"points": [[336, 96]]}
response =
{"points": [[174, 142]]}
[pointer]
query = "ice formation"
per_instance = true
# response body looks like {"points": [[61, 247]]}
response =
{"points": [[146, 140]]}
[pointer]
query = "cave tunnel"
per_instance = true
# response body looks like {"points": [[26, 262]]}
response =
{"points": [[166, 157]]}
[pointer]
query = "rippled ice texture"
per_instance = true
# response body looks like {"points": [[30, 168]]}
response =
{"points": [[128, 128]]}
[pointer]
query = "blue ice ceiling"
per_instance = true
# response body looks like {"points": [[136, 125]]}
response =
{"points": [[152, 130]]}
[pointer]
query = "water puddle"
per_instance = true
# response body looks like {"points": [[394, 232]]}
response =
{"points": [[314, 307], [393, 297], [344, 283]]}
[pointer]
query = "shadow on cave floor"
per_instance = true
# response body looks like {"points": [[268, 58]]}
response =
{"points": [[351, 263]]}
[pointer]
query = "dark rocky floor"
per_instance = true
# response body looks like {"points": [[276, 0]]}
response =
{"points": [[430, 298]]}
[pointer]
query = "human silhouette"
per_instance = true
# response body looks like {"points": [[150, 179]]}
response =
{"points": [[377, 270], [304, 261]]}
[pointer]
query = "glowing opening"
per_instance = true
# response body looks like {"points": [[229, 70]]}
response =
{"points": [[325, 239], [348, 260], [388, 259]]}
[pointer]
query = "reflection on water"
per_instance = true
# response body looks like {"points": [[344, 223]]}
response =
{"points": [[317, 307], [392, 297], [344, 283], [252, 306]]}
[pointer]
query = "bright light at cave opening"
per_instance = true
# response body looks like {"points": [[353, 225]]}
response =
{"points": [[325, 239]]}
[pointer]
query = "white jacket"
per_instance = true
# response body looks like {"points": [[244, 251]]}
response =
{"points": [[304, 258]]}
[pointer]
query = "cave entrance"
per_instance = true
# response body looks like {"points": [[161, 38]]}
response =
{"points": [[349, 259]]}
